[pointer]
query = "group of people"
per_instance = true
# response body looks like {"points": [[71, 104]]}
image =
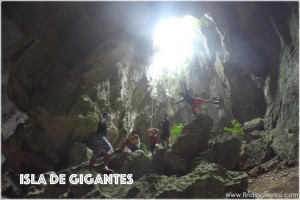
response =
{"points": [[132, 142], [103, 147], [164, 137]]}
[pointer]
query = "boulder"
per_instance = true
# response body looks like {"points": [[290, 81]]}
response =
{"points": [[79, 153], [204, 156], [158, 164], [193, 140], [208, 180], [255, 124], [218, 114], [227, 149], [189, 144], [202, 124], [135, 163], [254, 135], [178, 165], [257, 152], [194, 137], [285, 142]]}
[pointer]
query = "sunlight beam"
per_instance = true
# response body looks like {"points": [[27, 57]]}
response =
{"points": [[174, 40]]}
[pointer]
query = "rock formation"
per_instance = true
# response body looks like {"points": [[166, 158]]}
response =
{"points": [[65, 63], [166, 175]]}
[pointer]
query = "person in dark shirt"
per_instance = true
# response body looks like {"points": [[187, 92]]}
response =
{"points": [[102, 145], [165, 132], [193, 101]]}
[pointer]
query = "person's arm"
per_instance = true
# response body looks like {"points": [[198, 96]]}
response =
{"points": [[132, 137]]}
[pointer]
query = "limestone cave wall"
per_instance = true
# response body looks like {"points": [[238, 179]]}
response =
{"points": [[65, 63]]}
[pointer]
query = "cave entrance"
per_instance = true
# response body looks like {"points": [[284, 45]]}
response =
{"points": [[175, 43]]}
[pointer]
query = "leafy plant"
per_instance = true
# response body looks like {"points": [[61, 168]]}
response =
{"points": [[175, 132], [237, 128], [203, 20]]}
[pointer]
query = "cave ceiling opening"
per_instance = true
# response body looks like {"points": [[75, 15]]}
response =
{"points": [[177, 42]]}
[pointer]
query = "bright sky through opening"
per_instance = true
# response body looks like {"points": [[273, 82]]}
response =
{"points": [[174, 40]]}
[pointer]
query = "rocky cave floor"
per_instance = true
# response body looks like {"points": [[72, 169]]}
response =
{"points": [[274, 179], [270, 180]]}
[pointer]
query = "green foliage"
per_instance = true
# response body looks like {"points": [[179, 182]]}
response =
{"points": [[237, 128], [203, 20], [175, 132], [167, 86], [145, 149]]}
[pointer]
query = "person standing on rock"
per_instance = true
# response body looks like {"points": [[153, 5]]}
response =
{"points": [[193, 101], [165, 133], [153, 139], [102, 145], [132, 142]]}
